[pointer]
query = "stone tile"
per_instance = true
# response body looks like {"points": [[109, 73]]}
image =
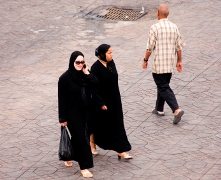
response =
{"points": [[37, 38]]}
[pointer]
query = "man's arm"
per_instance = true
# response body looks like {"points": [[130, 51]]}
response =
{"points": [[179, 65], [145, 62]]}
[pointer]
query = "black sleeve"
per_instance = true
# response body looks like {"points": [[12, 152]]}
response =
{"points": [[95, 89], [62, 88]]}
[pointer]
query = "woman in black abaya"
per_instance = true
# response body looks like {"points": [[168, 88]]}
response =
{"points": [[107, 125], [74, 93]]}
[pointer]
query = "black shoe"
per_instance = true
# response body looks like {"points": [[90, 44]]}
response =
{"points": [[157, 113], [177, 118]]}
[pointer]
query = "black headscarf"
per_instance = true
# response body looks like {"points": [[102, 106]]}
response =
{"points": [[76, 75], [100, 52]]}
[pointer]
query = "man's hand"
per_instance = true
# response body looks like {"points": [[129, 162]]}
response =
{"points": [[179, 66], [145, 62], [145, 65]]}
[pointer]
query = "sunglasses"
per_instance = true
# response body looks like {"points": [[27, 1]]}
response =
{"points": [[79, 62]]}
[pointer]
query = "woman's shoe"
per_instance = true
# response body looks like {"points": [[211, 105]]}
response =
{"points": [[93, 149], [124, 156], [86, 174], [68, 163]]}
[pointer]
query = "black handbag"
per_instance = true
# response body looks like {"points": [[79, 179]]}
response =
{"points": [[65, 148]]}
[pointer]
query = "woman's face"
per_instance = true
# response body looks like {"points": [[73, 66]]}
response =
{"points": [[79, 62], [109, 55]]}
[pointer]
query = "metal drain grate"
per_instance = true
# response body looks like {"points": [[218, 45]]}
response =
{"points": [[122, 14]]}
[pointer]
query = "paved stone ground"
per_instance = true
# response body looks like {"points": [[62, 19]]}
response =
{"points": [[37, 38]]}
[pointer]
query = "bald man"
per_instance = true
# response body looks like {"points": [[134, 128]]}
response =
{"points": [[165, 43]]}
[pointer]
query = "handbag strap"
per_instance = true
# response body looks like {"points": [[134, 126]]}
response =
{"points": [[69, 134]]}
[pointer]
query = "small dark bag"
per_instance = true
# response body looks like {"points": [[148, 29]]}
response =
{"points": [[65, 148]]}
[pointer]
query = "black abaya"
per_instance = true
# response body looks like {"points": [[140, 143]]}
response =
{"points": [[108, 125], [73, 100]]}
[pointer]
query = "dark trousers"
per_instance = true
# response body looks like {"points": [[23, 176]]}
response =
{"points": [[164, 92]]}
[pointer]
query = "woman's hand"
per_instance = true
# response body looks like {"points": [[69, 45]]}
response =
{"points": [[104, 107], [64, 124], [85, 68]]}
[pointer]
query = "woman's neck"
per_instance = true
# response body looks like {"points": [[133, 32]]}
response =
{"points": [[103, 62]]}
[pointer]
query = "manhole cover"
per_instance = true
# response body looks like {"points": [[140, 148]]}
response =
{"points": [[122, 14]]}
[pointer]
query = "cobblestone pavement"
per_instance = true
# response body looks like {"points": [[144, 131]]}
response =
{"points": [[37, 38]]}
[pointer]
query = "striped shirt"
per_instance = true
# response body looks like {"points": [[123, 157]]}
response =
{"points": [[163, 42]]}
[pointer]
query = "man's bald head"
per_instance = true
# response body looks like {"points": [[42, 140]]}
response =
{"points": [[163, 10]]}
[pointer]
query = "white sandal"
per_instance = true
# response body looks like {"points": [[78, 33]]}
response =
{"points": [[93, 149], [124, 155], [86, 174], [68, 163]]}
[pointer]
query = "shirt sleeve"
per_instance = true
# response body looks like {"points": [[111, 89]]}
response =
{"points": [[151, 40], [179, 42]]}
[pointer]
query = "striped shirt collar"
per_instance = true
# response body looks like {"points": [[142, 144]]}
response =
{"points": [[164, 19]]}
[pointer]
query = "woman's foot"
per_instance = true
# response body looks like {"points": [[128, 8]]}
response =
{"points": [[93, 148], [68, 163], [124, 155], [86, 174]]}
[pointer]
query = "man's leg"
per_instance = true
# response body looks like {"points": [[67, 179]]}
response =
{"points": [[159, 102], [162, 81], [164, 91]]}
